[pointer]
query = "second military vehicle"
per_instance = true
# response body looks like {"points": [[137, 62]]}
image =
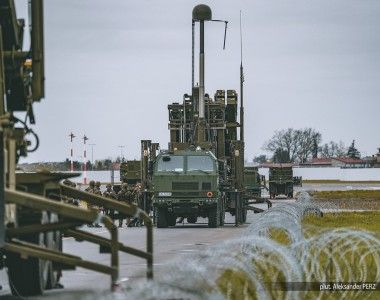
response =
{"points": [[281, 180]]}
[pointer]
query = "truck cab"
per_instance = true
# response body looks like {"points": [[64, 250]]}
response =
{"points": [[185, 184]]}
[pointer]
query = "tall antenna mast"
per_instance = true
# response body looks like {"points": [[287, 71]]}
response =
{"points": [[201, 14], [241, 85]]}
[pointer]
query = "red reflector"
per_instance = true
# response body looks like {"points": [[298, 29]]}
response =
{"points": [[209, 194]]}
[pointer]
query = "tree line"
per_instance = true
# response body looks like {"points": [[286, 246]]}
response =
{"points": [[301, 145], [98, 165]]}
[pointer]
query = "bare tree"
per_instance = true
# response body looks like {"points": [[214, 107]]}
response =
{"points": [[285, 140], [299, 144], [333, 149], [308, 140]]}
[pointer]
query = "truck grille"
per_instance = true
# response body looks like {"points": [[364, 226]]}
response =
{"points": [[185, 194], [191, 185], [206, 186]]}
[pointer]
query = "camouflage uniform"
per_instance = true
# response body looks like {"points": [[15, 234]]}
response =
{"points": [[70, 200], [109, 193], [125, 196], [93, 189], [137, 200]]}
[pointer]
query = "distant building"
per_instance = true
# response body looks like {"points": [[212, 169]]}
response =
{"points": [[277, 165], [348, 162], [339, 162], [318, 162]]}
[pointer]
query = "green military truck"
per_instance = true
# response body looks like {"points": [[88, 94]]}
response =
{"points": [[130, 171], [253, 182], [281, 180], [186, 185]]}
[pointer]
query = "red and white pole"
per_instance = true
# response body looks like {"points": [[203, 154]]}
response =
{"points": [[72, 136], [85, 138]]}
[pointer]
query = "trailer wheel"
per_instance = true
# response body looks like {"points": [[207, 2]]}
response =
{"points": [[172, 220], [162, 221], [192, 220], [213, 217]]}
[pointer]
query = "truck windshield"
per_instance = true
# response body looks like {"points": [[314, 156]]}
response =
{"points": [[200, 163], [170, 164]]}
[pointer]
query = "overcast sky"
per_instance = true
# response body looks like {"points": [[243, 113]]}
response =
{"points": [[113, 66]]}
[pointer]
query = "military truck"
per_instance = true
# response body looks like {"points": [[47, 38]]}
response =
{"points": [[209, 125], [253, 181], [130, 171], [281, 180], [186, 185]]}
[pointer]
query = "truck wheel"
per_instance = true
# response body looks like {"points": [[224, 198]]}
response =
{"points": [[213, 217], [172, 220], [161, 218], [53, 240], [192, 220], [29, 277], [222, 217], [222, 214], [244, 215]]}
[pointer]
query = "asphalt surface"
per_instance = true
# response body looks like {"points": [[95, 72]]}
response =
{"points": [[169, 244]]}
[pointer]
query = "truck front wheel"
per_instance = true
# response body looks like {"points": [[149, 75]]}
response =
{"points": [[213, 217], [162, 221]]}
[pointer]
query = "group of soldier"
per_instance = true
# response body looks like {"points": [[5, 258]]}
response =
{"points": [[127, 194]]}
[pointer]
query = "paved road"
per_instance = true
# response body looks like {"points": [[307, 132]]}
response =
{"points": [[169, 244]]}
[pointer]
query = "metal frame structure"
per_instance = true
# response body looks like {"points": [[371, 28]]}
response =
{"points": [[32, 204]]}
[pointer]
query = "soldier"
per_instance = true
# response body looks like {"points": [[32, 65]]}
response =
{"points": [[109, 193], [97, 189], [137, 200], [124, 196], [91, 187]]}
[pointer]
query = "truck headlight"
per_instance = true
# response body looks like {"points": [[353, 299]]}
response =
{"points": [[164, 194]]}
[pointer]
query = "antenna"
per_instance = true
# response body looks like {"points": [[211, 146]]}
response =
{"points": [[241, 85], [225, 31]]}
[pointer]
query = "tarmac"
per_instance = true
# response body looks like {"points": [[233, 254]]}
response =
{"points": [[169, 244]]}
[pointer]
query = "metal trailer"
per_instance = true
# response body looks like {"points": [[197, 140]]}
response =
{"points": [[35, 209], [281, 180]]}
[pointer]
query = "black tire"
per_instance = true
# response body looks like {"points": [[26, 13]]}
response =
{"points": [[53, 240], [192, 220], [244, 215], [162, 221], [29, 277], [213, 217], [222, 214], [172, 220]]}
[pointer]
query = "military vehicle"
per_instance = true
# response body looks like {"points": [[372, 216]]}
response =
{"points": [[186, 185], [35, 208], [130, 171], [253, 182], [281, 180], [203, 133]]}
